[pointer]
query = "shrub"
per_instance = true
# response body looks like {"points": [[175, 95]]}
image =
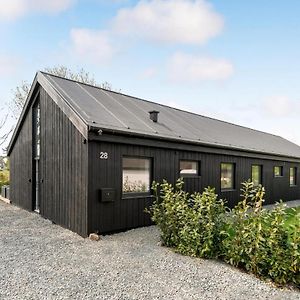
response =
{"points": [[168, 211], [248, 236], [243, 235], [258, 240], [277, 246], [294, 258], [189, 223], [4, 177]]}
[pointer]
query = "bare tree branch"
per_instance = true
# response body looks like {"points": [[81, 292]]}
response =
{"points": [[3, 138], [19, 98], [4, 132]]}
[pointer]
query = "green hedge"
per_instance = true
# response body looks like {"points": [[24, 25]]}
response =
{"points": [[247, 236], [4, 177]]}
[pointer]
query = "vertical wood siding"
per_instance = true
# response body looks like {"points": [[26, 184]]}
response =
{"points": [[125, 213], [63, 169], [21, 166]]}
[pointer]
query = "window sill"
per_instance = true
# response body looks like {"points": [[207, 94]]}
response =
{"points": [[228, 190], [190, 176], [293, 186], [136, 196]]}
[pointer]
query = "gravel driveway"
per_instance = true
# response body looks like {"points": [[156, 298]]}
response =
{"points": [[39, 260]]}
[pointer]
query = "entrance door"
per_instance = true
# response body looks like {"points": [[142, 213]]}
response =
{"points": [[36, 157], [36, 186]]}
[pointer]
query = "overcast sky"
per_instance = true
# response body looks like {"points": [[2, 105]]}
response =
{"points": [[234, 60]]}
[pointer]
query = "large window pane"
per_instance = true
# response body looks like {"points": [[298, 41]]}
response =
{"points": [[188, 167], [256, 175], [293, 176], [136, 175], [227, 176]]}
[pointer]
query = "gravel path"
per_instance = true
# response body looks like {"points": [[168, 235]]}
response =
{"points": [[39, 260]]}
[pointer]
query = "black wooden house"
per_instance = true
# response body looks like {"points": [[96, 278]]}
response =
{"points": [[85, 157]]}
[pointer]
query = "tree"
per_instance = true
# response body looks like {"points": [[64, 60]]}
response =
{"points": [[4, 131], [19, 97], [81, 75], [21, 92]]}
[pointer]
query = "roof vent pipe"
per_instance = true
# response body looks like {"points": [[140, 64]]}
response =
{"points": [[154, 115]]}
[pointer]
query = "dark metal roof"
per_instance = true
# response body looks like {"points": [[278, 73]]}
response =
{"points": [[117, 112]]}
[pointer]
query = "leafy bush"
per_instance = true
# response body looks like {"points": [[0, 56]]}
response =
{"points": [[4, 177], [247, 236], [189, 223], [257, 239], [203, 221], [294, 258], [242, 236]]}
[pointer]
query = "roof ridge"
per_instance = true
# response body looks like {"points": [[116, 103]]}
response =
{"points": [[164, 105]]}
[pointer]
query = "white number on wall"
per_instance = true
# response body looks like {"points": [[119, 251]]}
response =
{"points": [[103, 155]]}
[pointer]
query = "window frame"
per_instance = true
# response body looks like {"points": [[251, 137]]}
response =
{"points": [[233, 188], [36, 129], [295, 177], [137, 194], [281, 171], [261, 173], [187, 175]]}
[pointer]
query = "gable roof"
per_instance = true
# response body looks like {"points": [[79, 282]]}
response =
{"points": [[94, 107]]}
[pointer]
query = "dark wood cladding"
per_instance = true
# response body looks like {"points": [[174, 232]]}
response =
{"points": [[63, 169], [125, 213], [21, 166]]}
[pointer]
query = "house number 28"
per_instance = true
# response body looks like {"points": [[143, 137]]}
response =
{"points": [[103, 155]]}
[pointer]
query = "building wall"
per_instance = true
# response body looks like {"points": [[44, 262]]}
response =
{"points": [[125, 213], [21, 166], [63, 169]]}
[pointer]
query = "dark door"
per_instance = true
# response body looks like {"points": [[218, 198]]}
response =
{"points": [[36, 186], [36, 158]]}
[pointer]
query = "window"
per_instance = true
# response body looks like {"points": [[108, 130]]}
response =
{"points": [[293, 176], [256, 174], [37, 130], [278, 171], [136, 175], [227, 176], [189, 167]]}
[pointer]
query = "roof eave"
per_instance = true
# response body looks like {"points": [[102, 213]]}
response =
{"points": [[23, 113], [64, 105], [199, 143], [41, 80]]}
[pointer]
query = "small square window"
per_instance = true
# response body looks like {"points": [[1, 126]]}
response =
{"points": [[293, 176], [189, 168], [278, 171]]}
